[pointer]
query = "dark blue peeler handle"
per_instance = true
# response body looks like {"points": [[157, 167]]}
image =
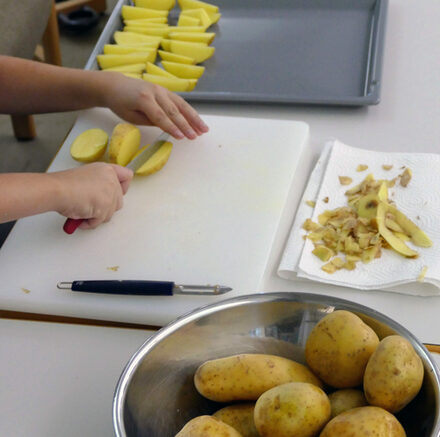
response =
{"points": [[139, 288]]}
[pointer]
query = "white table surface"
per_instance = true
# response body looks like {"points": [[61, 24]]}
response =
{"points": [[58, 379]]}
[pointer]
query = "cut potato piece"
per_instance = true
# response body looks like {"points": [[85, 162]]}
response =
{"points": [[133, 13], [156, 20], [109, 61], [157, 161], [132, 68], [186, 20], [172, 57], [204, 38], [199, 52], [192, 84], [196, 4], [155, 4], [116, 49], [133, 75], [183, 70], [153, 31], [201, 14], [124, 143], [154, 69], [135, 23], [151, 55], [166, 44], [187, 28], [124, 38], [173, 84], [89, 146], [214, 17]]}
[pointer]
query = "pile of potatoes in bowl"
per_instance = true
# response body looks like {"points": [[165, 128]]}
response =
{"points": [[352, 386]]}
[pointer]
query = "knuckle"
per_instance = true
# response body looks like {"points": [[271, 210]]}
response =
{"points": [[172, 111]]}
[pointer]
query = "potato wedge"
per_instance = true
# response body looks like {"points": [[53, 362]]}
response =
{"points": [[201, 14], [157, 161], [196, 4], [132, 68], [201, 37], [183, 70], [133, 75], [151, 31], [155, 4], [163, 20], [186, 20], [199, 52], [173, 84], [89, 146], [135, 38], [109, 61], [136, 23], [154, 69], [124, 143], [116, 49], [133, 13], [172, 57], [188, 28]]}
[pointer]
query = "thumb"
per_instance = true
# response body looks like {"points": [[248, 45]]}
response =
{"points": [[124, 175]]}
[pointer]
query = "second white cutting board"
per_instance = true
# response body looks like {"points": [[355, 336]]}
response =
{"points": [[209, 217]]}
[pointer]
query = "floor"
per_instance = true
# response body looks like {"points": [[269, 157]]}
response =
{"points": [[36, 155]]}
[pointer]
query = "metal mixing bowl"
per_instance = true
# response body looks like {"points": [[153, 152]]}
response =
{"points": [[155, 395]]}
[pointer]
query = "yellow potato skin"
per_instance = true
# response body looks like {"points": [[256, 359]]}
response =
{"points": [[207, 426], [240, 417], [394, 374], [296, 409], [364, 422], [247, 376], [338, 348], [124, 143], [346, 399]]}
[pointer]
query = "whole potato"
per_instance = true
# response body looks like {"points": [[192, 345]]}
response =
{"points": [[296, 409], [364, 422], [338, 349], [207, 426], [394, 374], [346, 399], [245, 377], [240, 417]]}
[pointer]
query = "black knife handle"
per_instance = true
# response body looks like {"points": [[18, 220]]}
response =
{"points": [[139, 288]]}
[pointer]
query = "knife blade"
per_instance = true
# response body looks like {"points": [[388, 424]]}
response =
{"points": [[71, 225], [143, 288]]}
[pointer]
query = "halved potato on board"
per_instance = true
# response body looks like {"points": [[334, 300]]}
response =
{"points": [[173, 84], [135, 38], [153, 31], [183, 70], [116, 49], [132, 68], [200, 52], [134, 13], [154, 69], [155, 4], [89, 146], [109, 61], [196, 4], [186, 20], [157, 161], [204, 38], [172, 57]]}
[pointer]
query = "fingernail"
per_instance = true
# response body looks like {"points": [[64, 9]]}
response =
{"points": [[191, 134], [178, 134], [204, 126]]}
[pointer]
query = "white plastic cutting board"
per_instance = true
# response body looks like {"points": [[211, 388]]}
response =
{"points": [[208, 217]]}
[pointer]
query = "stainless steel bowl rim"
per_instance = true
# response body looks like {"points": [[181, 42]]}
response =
{"points": [[155, 339]]}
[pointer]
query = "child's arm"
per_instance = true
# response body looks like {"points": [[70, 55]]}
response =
{"points": [[29, 87]]}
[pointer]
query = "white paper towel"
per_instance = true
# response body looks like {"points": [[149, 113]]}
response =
{"points": [[420, 201]]}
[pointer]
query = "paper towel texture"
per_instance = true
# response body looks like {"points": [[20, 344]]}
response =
{"points": [[420, 201]]}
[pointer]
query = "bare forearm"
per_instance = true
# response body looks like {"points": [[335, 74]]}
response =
{"points": [[25, 194], [33, 87]]}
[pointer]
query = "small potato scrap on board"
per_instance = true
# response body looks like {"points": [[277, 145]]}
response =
{"points": [[369, 223]]}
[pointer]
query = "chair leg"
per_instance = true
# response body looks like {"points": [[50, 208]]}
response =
{"points": [[51, 39], [71, 5], [24, 127]]}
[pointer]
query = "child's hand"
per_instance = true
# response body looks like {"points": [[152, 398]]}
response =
{"points": [[92, 192], [141, 102]]}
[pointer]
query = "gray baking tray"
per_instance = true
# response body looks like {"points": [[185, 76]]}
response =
{"points": [[289, 51]]}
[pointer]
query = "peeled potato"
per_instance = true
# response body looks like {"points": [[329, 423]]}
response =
{"points": [[135, 38], [109, 61], [155, 4], [124, 143], [154, 69], [201, 37], [200, 52], [153, 31], [157, 161], [183, 70], [116, 49], [173, 84], [200, 13], [133, 12], [172, 57], [89, 146], [196, 4], [186, 20], [162, 20]]}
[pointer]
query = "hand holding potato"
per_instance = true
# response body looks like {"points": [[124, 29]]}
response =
{"points": [[143, 103], [92, 192]]}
